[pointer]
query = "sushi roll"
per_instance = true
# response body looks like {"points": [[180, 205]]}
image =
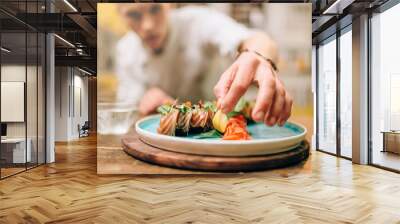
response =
{"points": [[184, 118], [199, 119], [168, 121]]}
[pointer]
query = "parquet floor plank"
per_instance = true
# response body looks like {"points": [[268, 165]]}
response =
{"points": [[324, 190]]}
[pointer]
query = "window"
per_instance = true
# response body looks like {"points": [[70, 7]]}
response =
{"points": [[385, 89], [15, 150], [22, 77], [346, 92], [334, 106], [327, 96]]}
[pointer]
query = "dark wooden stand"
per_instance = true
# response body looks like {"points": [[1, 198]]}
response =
{"points": [[136, 148]]}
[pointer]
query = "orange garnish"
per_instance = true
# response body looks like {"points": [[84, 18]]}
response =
{"points": [[236, 129]]}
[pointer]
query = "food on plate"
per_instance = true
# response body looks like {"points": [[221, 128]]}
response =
{"points": [[204, 119], [236, 129], [199, 118], [168, 121], [184, 118], [219, 121], [179, 119]]}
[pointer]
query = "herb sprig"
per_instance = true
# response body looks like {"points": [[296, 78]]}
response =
{"points": [[164, 109]]}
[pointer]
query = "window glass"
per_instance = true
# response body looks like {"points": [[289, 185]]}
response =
{"points": [[22, 90], [346, 94], [385, 84], [15, 151], [327, 96], [41, 99], [31, 97]]}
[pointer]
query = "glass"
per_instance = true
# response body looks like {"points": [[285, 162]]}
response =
{"points": [[346, 94], [327, 96], [385, 88], [41, 92], [23, 90], [14, 150], [32, 96], [41, 99], [115, 118]]}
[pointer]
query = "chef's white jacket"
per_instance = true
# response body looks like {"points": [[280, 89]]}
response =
{"points": [[201, 44]]}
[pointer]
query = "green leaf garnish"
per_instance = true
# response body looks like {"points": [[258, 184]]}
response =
{"points": [[183, 108], [210, 134], [164, 109]]}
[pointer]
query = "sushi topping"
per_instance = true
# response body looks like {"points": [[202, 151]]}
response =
{"points": [[164, 109]]}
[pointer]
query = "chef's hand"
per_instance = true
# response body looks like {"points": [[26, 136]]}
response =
{"points": [[273, 103], [153, 98]]}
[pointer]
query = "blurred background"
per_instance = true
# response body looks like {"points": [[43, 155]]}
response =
{"points": [[292, 33]]}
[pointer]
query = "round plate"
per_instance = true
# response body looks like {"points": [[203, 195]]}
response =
{"points": [[265, 140]]}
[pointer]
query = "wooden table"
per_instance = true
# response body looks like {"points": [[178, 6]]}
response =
{"points": [[111, 158]]}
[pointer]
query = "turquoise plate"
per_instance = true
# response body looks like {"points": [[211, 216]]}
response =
{"points": [[265, 140]]}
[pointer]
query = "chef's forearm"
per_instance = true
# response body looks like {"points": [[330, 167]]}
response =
{"points": [[263, 44]]}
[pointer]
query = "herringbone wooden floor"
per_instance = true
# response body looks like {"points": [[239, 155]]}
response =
{"points": [[325, 190]]}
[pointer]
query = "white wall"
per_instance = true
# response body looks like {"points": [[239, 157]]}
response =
{"points": [[62, 81], [12, 73], [80, 103], [70, 83]]}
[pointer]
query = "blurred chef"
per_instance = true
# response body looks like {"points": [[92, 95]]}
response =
{"points": [[168, 52]]}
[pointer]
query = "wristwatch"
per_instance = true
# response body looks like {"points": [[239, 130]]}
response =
{"points": [[272, 63]]}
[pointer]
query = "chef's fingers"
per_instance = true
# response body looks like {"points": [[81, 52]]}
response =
{"points": [[277, 105], [144, 107], [152, 99], [224, 82], [241, 82], [265, 95], [286, 111]]}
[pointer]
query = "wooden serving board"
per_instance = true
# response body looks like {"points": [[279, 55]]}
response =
{"points": [[140, 150]]}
